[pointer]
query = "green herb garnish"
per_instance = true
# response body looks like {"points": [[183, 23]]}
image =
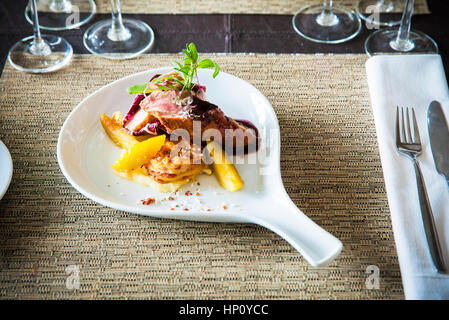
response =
{"points": [[138, 88], [187, 72]]}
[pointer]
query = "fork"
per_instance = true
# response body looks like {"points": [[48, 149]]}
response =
{"points": [[408, 143]]}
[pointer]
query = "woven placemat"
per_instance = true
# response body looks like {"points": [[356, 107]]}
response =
{"points": [[232, 6], [330, 167]]}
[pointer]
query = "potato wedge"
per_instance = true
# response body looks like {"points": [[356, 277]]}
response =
{"points": [[139, 154], [114, 130], [225, 172]]}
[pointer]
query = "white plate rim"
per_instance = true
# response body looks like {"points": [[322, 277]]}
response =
{"points": [[4, 151]]}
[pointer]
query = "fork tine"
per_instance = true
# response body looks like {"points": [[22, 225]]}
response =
{"points": [[404, 135], [398, 125], [416, 139], [409, 127]]}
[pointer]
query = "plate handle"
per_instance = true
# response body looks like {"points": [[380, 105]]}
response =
{"points": [[281, 216]]}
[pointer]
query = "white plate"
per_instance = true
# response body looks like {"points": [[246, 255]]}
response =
{"points": [[5, 169], [85, 154]]}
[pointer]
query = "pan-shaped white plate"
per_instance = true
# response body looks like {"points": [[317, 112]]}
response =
{"points": [[85, 155]]}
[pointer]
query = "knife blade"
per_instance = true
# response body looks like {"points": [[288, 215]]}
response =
{"points": [[439, 138]]}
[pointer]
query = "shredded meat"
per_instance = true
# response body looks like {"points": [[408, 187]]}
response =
{"points": [[174, 163]]}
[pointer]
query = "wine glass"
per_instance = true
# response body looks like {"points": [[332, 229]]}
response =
{"points": [[326, 23], [62, 14], [400, 39], [40, 53], [376, 12], [118, 38]]}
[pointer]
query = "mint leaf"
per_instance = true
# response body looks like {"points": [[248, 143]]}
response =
{"points": [[206, 63], [216, 71], [137, 88], [194, 54], [176, 64]]}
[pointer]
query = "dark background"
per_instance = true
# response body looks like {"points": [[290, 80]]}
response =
{"points": [[224, 32]]}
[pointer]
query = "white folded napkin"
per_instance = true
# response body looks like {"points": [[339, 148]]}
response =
{"points": [[413, 81]]}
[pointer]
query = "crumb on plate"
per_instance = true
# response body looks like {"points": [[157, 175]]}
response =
{"points": [[148, 201]]}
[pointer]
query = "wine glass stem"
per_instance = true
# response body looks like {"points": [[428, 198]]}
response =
{"points": [[61, 6], [380, 3], [327, 17], [39, 47], [36, 29], [118, 31], [403, 42], [385, 5]]}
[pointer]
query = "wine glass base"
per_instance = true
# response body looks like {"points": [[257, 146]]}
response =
{"points": [[55, 54], [79, 13], [384, 41], [137, 38], [373, 12], [344, 25]]}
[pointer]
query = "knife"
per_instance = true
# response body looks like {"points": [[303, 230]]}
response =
{"points": [[439, 138], [439, 143]]}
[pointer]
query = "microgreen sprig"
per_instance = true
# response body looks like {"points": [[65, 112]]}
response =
{"points": [[187, 71]]}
